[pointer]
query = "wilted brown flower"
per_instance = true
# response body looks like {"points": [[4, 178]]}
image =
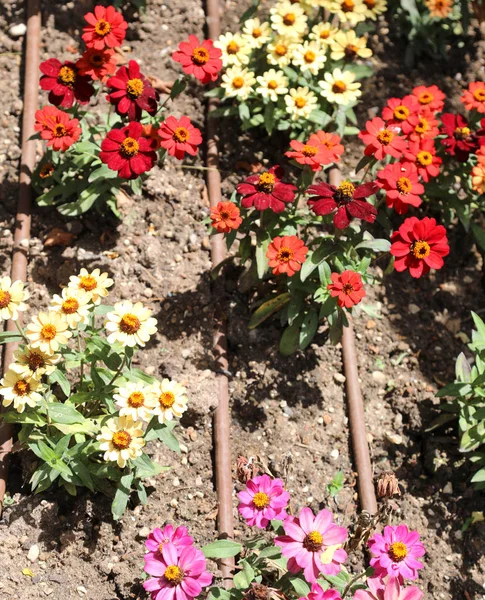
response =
{"points": [[257, 592], [246, 468], [387, 485]]}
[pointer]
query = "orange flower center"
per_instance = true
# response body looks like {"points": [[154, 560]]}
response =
{"points": [[398, 551], [347, 288], [424, 158], [348, 5], [181, 135], [48, 332], [237, 83], [308, 150], [313, 542], [35, 361], [232, 47], [351, 50], [300, 102], [129, 147], [272, 84], [462, 133], [121, 440], [419, 249], [479, 95], [134, 88], [345, 192], [136, 399], [67, 76], [266, 182], [401, 113], [289, 19], [102, 27], [87, 282], [339, 87], [70, 306], [59, 130], [257, 32], [260, 500], [46, 170], [285, 254], [5, 298], [174, 574], [370, 3], [404, 185], [324, 34], [21, 388], [425, 98], [309, 56], [129, 324], [281, 49], [385, 137], [166, 399], [200, 55]]}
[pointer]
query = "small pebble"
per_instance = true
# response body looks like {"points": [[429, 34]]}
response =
{"points": [[379, 377], [448, 489], [18, 30], [413, 309], [339, 378], [394, 438], [34, 552], [334, 454], [81, 590], [144, 532]]}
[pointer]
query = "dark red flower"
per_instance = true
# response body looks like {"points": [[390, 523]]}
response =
{"points": [[179, 136], [127, 151], [64, 83], [423, 155], [460, 141], [347, 200], [419, 245], [132, 92], [266, 191], [400, 182], [106, 28], [199, 59], [347, 287], [97, 64]]}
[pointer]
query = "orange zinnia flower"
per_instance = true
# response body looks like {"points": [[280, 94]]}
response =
{"points": [[478, 177], [225, 217], [347, 287], [439, 8], [286, 255], [474, 96]]}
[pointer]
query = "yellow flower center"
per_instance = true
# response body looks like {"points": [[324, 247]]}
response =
{"points": [[237, 82], [281, 49], [102, 27], [272, 84], [136, 399], [345, 192], [309, 56], [166, 399], [121, 440], [300, 102], [285, 254], [35, 361], [181, 135], [129, 147], [424, 158], [67, 76], [257, 32], [404, 185], [401, 113], [351, 50], [59, 130], [385, 137], [339, 87], [129, 324], [425, 98], [261, 500], [419, 249], [398, 550], [5, 299], [422, 126], [313, 542], [232, 47], [160, 548], [48, 332], [22, 387], [289, 19], [174, 574], [348, 5], [87, 283], [462, 132], [70, 306], [200, 55], [324, 34], [308, 150], [266, 182], [134, 88]]}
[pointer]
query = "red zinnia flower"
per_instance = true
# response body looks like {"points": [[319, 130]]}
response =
{"points": [[398, 112], [315, 152], [199, 59], [132, 92], [459, 141], [64, 83], [106, 28], [97, 64], [348, 199], [286, 254], [127, 151], [225, 217], [400, 181], [179, 137], [419, 245], [474, 96], [424, 126], [332, 142], [381, 139], [429, 97], [423, 155], [266, 191], [151, 132], [57, 128], [347, 287]]}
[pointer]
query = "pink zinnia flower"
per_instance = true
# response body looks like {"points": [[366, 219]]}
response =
{"points": [[396, 552], [177, 577], [318, 594], [157, 539], [263, 499], [392, 590], [313, 543]]}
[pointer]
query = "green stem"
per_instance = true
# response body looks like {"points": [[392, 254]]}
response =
{"points": [[82, 361], [367, 169], [118, 372], [351, 583], [21, 331]]}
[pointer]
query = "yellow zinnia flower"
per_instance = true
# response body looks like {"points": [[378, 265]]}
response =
{"points": [[347, 45], [348, 11], [280, 51], [235, 49], [136, 400], [272, 84], [48, 331], [309, 56], [256, 34], [121, 440], [323, 33], [300, 102], [130, 324], [12, 296], [20, 390], [32, 362], [288, 19], [340, 87], [95, 284], [374, 8], [73, 304], [172, 400], [238, 82]]}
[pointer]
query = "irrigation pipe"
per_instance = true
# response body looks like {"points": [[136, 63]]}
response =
{"points": [[355, 404], [222, 415]]}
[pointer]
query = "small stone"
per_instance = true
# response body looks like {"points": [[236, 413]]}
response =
{"points": [[413, 309], [339, 378], [48, 591], [18, 30], [327, 419], [174, 503], [394, 438], [379, 377], [184, 449], [178, 258], [370, 324], [144, 532], [34, 552], [334, 454], [448, 489], [458, 534], [198, 481], [176, 482], [81, 590]]}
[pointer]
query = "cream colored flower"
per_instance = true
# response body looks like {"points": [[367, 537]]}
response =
{"points": [[136, 400], [130, 324], [121, 440], [20, 390], [272, 84], [95, 284], [340, 87], [300, 103], [348, 46], [48, 331], [238, 82], [280, 51], [171, 400], [309, 56], [374, 8], [32, 362], [235, 49], [348, 11], [288, 19], [323, 33], [73, 304], [12, 296], [256, 34]]}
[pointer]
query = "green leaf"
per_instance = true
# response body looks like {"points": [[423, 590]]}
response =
{"points": [[178, 87], [9, 336], [62, 446], [261, 258], [265, 310], [162, 432], [81, 470], [290, 340], [243, 579], [244, 113], [269, 118], [337, 484], [313, 261], [142, 493], [87, 428], [59, 377], [363, 162], [378, 245], [462, 368], [300, 586], [222, 549], [122, 496], [64, 413], [146, 467], [308, 328]]}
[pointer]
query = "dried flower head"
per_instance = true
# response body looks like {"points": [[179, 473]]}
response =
{"points": [[387, 485]]}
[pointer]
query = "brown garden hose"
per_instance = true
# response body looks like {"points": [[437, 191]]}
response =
{"points": [[222, 415], [355, 403], [22, 220]]}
